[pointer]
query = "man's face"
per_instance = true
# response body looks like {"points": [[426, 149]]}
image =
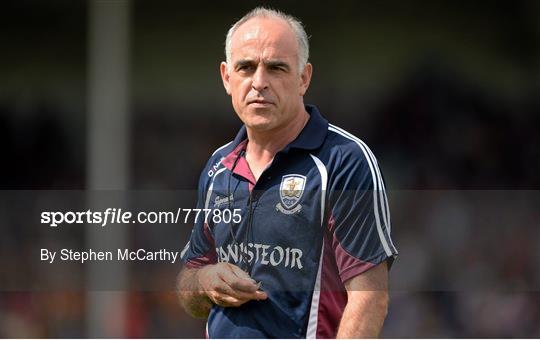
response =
{"points": [[263, 79]]}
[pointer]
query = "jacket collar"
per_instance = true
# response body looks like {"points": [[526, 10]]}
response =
{"points": [[311, 137]]}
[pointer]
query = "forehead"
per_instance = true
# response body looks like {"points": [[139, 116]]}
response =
{"points": [[266, 37]]}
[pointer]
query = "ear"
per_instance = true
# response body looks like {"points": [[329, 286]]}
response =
{"points": [[305, 78], [225, 76]]}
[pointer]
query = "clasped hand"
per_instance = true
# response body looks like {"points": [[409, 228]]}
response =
{"points": [[227, 285]]}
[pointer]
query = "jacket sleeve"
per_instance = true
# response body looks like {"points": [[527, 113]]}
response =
{"points": [[200, 249], [359, 219]]}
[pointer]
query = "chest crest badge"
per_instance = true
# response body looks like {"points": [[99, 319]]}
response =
{"points": [[290, 192]]}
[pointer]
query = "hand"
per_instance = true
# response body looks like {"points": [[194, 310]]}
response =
{"points": [[227, 285]]}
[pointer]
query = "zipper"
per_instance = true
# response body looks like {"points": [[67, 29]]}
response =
{"points": [[249, 228]]}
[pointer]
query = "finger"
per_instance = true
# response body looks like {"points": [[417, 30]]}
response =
{"points": [[245, 285], [261, 295], [238, 283], [227, 274], [239, 272], [225, 300], [225, 289]]}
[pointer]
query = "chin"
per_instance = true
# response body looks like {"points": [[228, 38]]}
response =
{"points": [[259, 120], [260, 126]]}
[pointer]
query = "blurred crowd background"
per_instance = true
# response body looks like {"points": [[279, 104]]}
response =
{"points": [[447, 95]]}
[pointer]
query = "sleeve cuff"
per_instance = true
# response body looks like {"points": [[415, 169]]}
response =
{"points": [[350, 266]]}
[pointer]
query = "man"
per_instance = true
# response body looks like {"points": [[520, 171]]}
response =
{"points": [[308, 255]]}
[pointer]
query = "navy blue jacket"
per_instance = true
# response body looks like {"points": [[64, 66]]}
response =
{"points": [[317, 216]]}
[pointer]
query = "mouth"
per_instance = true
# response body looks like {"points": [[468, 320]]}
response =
{"points": [[260, 102]]}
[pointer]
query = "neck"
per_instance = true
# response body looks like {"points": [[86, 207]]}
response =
{"points": [[263, 145]]}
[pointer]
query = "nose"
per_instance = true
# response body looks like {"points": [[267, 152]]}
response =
{"points": [[260, 79]]}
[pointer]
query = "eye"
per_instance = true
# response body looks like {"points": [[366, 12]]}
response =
{"points": [[244, 67], [278, 68]]}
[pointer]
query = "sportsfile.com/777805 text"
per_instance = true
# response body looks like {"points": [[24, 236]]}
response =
{"points": [[114, 215]]}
